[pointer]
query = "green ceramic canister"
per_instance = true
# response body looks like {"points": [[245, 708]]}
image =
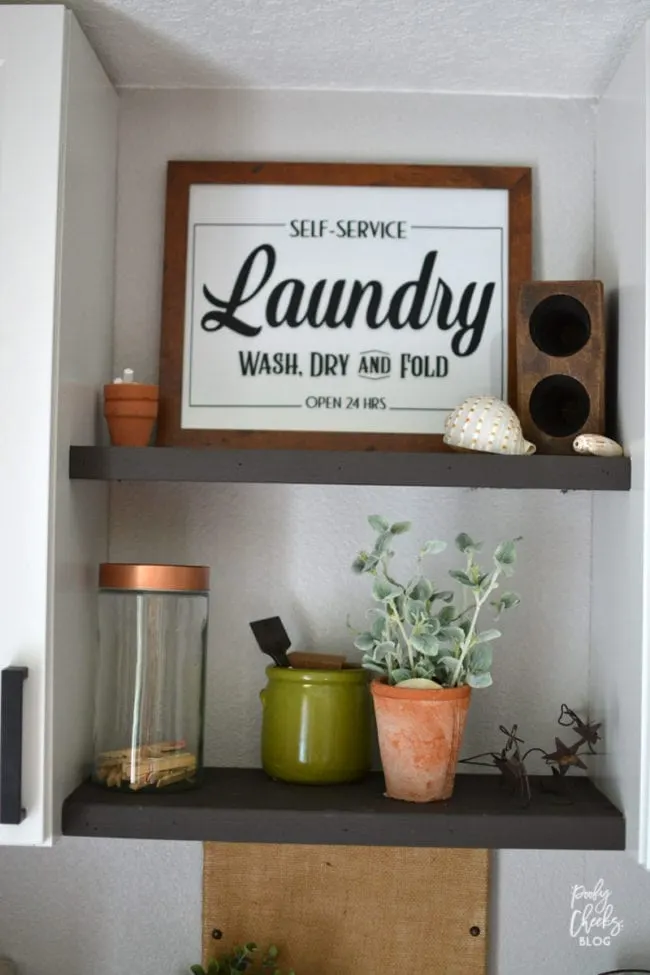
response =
{"points": [[316, 725]]}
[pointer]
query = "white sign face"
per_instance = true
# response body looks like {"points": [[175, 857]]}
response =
{"points": [[351, 309]]}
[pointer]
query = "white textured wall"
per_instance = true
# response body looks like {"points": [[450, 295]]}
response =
{"points": [[531, 912], [110, 907], [556, 137], [550, 47], [286, 550], [99, 907], [282, 549]]}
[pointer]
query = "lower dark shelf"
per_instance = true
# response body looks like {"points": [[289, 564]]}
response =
{"points": [[244, 806]]}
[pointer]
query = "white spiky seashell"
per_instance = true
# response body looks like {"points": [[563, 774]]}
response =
{"points": [[597, 445], [487, 424]]}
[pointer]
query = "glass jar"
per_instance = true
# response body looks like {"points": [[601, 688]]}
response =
{"points": [[149, 697]]}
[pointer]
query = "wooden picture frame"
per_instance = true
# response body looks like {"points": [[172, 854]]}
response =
{"points": [[182, 176]]}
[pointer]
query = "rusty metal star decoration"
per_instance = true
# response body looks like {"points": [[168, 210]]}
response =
{"points": [[588, 732], [512, 764], [509, 762], [564, 757]]}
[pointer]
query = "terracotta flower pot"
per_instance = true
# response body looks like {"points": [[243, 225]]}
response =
{"points": [[420, 733], [130, 410]]}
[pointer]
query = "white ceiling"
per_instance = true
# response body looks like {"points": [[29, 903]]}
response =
{"points": [[539, 47]]}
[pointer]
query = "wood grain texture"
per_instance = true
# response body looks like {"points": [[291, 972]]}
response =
{"points": [[348, 910], [587, 365], [182, 175]]}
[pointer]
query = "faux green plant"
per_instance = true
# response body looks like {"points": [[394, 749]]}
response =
{"points": [[421, 631], [245, 958]]}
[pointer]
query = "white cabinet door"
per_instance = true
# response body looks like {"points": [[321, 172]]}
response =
{"points": [[31, 78], [58, 139]]}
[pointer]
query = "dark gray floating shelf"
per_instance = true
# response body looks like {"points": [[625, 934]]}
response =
{"points": [[570, 473], [244, 806]]}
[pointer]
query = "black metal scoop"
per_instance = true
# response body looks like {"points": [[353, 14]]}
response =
{"points": [[272, 639]]}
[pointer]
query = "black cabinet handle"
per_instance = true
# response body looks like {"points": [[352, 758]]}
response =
{"points": [[11, 745]]}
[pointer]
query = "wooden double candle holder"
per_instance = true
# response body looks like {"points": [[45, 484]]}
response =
{"points": [[560, 362]]}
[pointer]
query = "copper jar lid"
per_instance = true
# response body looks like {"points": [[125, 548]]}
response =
{"points": [[154, 578]]}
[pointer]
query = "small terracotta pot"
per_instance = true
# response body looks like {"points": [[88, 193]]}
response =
{"points": [[420, 733], [130, 410]]}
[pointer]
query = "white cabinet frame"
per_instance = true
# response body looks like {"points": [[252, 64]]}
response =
{"points": [[620, 603]]}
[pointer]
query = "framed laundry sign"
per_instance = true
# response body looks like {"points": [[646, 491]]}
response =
{"points": [[337, 306]]}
